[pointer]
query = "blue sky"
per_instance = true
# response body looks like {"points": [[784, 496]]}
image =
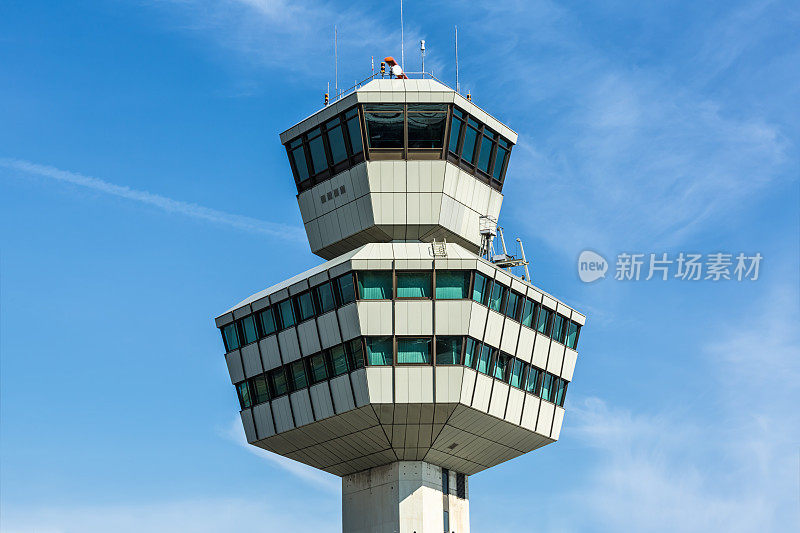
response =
{"points": [[143, 190]]}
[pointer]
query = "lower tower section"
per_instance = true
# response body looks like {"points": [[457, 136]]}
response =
{"points": [[405, 497]]}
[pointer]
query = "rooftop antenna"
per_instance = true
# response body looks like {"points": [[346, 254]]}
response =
{"points": [[336, 59], [402, 39], [458, 87], [372, 60], [422, 51]]}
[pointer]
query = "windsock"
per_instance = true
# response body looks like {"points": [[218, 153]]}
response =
{"points": [[395, 69]]}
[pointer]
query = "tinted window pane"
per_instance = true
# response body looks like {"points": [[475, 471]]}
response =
{"points": [[356, 353], [249, 329], [470, 138], [558, 328], [479, 290], [413, 351], [455, 132], [354, 129], [243, 390], [484, 359], [379, 350], [260, 389], [532, 383], [267, 318], [517, 367], [230, 337], [287, 313], [375, 285], [527, 313], [486, 152], [336, 142], [299, 158], [413, 285], [470, 353], [278, 382], [384, 130], [547, 386], [572, 334], [496, 298], [346, 289], [499, 159], [542, 320], [305, 304], [325, 298], [561, 391], [448, 350], [338, 360], [500, 366], [318, 159], [299, 378], [426, 125], [452, 284], [511, 305], [319, 369]]}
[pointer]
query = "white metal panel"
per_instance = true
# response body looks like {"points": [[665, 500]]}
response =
{"points": [[556, 358], [558, 420], [263, 418], [494, 328], [497, 405], [251, 360], [309, 338], [321, 400], [402, 377], [448, 383], [234, 362], [301, 406], [349, 322], [290, 349], [375, 317], [477, 320], [530, 412], [249, 428], [282, 413], [413, 318], [510, 335], [358, 380], [545, 422], [379, 384], [525, 346], [468, 386], [270, 356], [328, 330], [342, 393], [516, 399], [570, 358], [483, 390], [540, 349]]}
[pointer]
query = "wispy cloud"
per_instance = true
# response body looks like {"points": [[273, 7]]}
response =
{"points": [[254, 225]]}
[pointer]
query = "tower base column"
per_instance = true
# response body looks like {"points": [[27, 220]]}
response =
{"points": [[404, 497]]}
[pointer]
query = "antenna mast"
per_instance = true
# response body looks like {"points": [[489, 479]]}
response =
{"points": [[458, 87], [422, 50], [336, 59], [402, 39]]}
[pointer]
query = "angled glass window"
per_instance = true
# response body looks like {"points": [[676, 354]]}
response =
{"points": [[384, 125], [267, 320], [486, 153], [527, 313], [318, 159], [470, 353], [260, 389], [426, 124], [249, 330], [452, 284], [277, 382], [448, 350], [299, 377], [345, 289], [375, 285], [547, 386], [319, 368], [243, 391], [558, 328], [511, 305], [445, 483], [532, 382], [480, 291], [298, 154], [336, 141], [484, 359], [325, 297], [499, 161], [338, 360], [355, 353], [379, 351], [470, 141], [413, 284], [561, 392], [543, 320], [572, 334], [305, 306], [515, 379], [287, 314], [455, 132], [230, 337], [410, 351], [496, 298], [500, 366], [354, 130]]}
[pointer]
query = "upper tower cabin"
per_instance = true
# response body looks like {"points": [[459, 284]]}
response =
{"points": [[398, 160]]}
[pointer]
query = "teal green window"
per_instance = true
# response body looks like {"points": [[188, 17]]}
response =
{"points": [[319, 368], [547, 386], [336, 141], [452, 284], [305, 306], [448, 350], [485, 154], [375, 285], [511, 305], [243, 390], [515, 378], [561, 392], [496, 296], [278, 382], [267, 319], [558, 328], [572, 334], [484, 359], [470, 141], [230, 337], [532, 382], [298, 151], [338, 360], [543, 320], [385, 125], [260, 389], [426, 125], [325, 298], [355, 352], [287, 314], [527, 313], [480, 291], [318, 159], [455, 132], [470, 352], [354, 130], [413, 351], [299, 377], [379, 351], [249, 331], [413, 284], [345, 289], [500, 366], [499, 161]]}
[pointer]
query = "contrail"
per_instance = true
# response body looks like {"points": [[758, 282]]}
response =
{"points": [[254, 225]]}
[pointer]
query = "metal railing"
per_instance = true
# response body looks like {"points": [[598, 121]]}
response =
{"points": [[377, 75]]}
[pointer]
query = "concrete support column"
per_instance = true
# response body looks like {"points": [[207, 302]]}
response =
{"points": [[403, 497]]}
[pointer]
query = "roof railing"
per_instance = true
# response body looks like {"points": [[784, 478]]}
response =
{"points": [[377, 75]]}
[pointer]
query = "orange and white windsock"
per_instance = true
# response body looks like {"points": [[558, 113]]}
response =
{"points": [[395, 69]]}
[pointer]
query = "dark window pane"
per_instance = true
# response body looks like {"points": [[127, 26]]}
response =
{"points": [[325, 298], [527, 313], [356, 354], [249, 329], [461, 486], [299, 378], [499, 159], [543, 320], [230, 336], [318, 159], [500, 366], [426, 125], [452, 284], [413, 350], [517, 366], [470, 353], [287, 313], [448, 350], [243, 391], [375, 285], [470, 139], [299, 158], [346, 289], [384, 129], [379, 350], [486, 152], [496, 298], [511, 305], [260, 389], [572, 335], [558, 328], [413, 284], [561, 391], [278, 382], [354, 130], [445, 483], [479, 293], [305, 305], [532, 383], [338, 360], [267, 318], [319, 369], [484, 359], [547, 386], [455, 132], [336, 142]]}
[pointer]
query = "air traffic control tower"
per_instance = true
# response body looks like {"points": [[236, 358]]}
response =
{"points": [[411, 359]]}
